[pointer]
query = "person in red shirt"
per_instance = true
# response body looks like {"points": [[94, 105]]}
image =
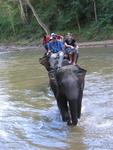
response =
{"points": [[45, 41]]}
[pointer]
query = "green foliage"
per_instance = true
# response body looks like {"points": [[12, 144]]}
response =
{"points": [[60, 16]]}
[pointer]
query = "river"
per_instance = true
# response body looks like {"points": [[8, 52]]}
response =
{"points": [[29, 117]]}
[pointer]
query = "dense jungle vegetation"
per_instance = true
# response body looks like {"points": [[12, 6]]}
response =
{"points": [[87, 19]]}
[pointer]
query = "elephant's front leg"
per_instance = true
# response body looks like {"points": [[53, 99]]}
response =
{"points": [[73, 111], [64, 110], [80, 103]]}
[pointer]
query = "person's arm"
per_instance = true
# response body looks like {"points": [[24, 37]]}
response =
{"points": [[62, 46], [49, 48], [76, 44], [67, 45]]}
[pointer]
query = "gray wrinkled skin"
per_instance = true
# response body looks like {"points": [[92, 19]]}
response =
{"points": [[67, 84]]}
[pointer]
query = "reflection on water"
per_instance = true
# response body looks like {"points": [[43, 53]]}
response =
{"points": [[29, 117]]}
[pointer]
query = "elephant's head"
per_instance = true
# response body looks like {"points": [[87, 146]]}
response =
{"points": [[72, 71]]}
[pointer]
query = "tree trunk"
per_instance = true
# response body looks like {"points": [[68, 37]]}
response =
{"points": [[45, 28], [10, 18], [78, 23], [95, 11], [23, 15]]}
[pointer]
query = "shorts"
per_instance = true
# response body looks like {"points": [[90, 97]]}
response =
{"points": [[70, 50]]}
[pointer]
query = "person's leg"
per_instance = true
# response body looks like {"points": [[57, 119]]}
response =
{"points": [[60, 59], [77, 57], [74, 61], [46, 47], [52, 60], [70, 58], [70, 53]]}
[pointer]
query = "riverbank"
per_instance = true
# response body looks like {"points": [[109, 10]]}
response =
{"points": [[107, 43], [13, 46]]}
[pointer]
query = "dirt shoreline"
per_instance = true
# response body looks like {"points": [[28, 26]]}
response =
{"points": [[107, 43], [13, 47]]}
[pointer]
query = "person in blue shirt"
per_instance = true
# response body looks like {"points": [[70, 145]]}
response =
{"points": [[55, 48]]}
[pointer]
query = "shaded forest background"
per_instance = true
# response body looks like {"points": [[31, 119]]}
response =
{"points": [[89, 20]]}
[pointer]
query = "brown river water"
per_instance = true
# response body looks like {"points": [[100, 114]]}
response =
{"points": [[29, 117]]}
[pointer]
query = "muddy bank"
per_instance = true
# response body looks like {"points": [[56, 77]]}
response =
{"points": [[4, 47], [13, 47], [107, 43]]}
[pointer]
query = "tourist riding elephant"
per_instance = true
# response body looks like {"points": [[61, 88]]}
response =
{"points": [[67, 84]]}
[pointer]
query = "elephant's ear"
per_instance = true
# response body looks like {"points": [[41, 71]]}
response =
{"points": [[80, 73], [81, 76], [45, 62], [51, 74]]}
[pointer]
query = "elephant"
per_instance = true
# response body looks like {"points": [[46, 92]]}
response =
{"points": [[67, 84]]}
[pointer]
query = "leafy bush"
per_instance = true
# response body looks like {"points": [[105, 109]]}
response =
{"points": [[76, 16]]}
